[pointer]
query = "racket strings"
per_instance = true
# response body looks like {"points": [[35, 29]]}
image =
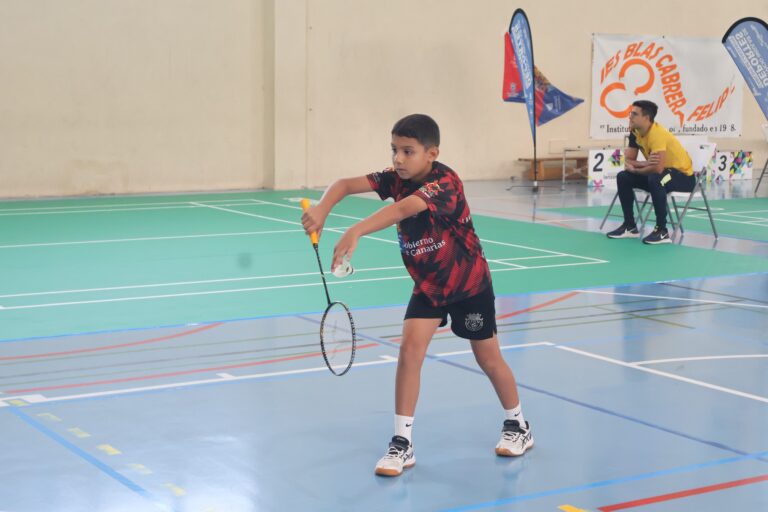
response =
{"points": [[337, 336]]}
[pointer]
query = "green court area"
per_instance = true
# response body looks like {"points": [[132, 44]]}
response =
{"points": [[102, 264], [741, 218]]}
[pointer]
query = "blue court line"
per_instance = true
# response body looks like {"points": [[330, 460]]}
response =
{"points": [[89, 458], [370, 308], [606, 483]]}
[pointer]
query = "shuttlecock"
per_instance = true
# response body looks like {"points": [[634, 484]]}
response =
{"points": [[344, 268]]}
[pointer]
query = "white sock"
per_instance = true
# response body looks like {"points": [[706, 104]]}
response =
{"points": [[515, 414], [404, 426]]}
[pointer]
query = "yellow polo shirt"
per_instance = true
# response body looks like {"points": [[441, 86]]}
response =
{"points": [[658, 139]]}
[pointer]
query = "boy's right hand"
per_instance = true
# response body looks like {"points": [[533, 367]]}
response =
{"points": [[313, 220]]}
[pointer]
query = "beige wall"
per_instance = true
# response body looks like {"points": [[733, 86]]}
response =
{"points": [[117, 96], [112, 96], [372, 62]]}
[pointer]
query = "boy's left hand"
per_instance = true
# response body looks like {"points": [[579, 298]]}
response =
{"points": [[345, 247]]}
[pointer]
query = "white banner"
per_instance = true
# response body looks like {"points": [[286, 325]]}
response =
{"points": [[694, 82]]}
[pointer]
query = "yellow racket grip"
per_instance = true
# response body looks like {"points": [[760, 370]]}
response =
{"points": [[305, 207]]}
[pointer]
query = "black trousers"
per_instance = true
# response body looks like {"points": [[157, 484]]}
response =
{"points": [[651, 183]]}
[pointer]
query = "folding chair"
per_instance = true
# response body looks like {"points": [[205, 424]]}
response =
{"points": [[697, 192], [640, 207], [765, 132]]}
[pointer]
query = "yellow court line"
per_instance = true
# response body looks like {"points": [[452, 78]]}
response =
{"points": [[571, 508]]}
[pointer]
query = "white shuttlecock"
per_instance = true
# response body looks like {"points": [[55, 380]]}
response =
{"points": [[344, 269]]}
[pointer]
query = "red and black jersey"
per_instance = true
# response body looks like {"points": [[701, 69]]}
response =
{"points": [[439, 246]]}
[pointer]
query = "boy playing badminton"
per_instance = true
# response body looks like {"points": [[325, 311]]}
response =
{"points": [[443, 255]]}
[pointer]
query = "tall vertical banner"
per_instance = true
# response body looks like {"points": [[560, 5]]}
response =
{"points": [[747, 43], [520, 36], [524, 83], [697, 87]]}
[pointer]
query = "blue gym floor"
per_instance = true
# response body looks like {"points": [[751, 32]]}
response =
{"points": [[648, 396]]}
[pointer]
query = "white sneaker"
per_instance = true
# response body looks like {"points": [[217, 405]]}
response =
{"points": [[515, 440], [399, 456]]}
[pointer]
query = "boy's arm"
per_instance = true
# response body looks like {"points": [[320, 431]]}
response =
{"points": [[314, 218], [391, 214]]}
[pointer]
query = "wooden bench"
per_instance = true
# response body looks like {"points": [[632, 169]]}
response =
{"points": [[546, 170]]}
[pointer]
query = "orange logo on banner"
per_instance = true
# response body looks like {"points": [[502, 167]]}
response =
{"points": [[620, 86], [664, 69]]}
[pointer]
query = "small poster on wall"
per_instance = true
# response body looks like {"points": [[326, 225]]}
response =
{"points": [[604, 165], [732, 165]]}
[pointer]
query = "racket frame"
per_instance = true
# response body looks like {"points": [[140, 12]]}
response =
{"points": [[352, 350]]}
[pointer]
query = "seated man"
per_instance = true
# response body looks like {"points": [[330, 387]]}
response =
{"points": [[667, 168]]}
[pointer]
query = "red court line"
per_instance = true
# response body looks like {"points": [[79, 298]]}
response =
{"points": [[175, 374], [538, 306], [110, 347], [684, 494], [513, 313]]}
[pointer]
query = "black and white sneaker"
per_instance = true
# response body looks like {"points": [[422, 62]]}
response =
{"points": [[515, 439], [399, 456], [624, 231], [658, 236]]}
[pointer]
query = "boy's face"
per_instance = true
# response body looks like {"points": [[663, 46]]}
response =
{"points": [[411, 160]]}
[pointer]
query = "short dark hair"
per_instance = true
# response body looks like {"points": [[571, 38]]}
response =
{"points": [[420, 127], [648, 108]]}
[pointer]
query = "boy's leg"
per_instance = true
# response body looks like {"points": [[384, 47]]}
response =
{"points": [[516, 435], [488, 356], [417, 333]]}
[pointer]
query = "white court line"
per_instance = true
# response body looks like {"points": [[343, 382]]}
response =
{"points": [[745, 211], [152, 238], [120, 205], [186, 283], [234, 290], [502, 347], [529, 257], [216, 292], [261, 201], [181, 206], [213, 207], [193, 294], [384, 359], [502, 262], [184, 384], [551, 266], [701, 301], [569, 219], [665, 374], [700, 358], [222, 377], [702, 216], [740, 215], [553, 253], [334, 230], [556, 253]]}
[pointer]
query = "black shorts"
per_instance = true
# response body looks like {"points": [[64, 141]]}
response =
{"points": [[473, 318]]}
